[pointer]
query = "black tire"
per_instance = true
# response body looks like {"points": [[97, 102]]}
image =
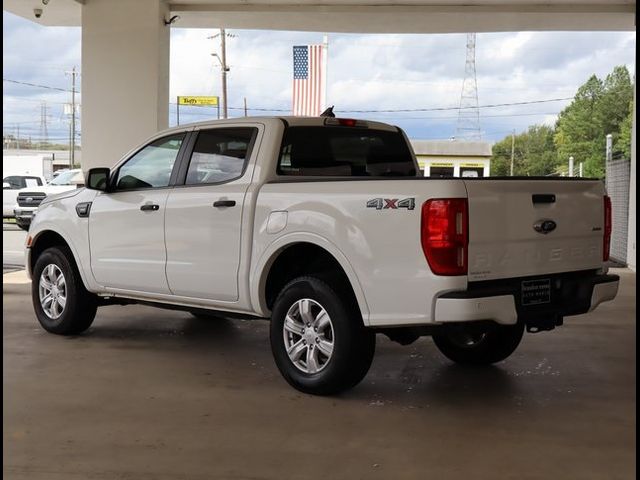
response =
{"points": [[80, 308], [353, 344], [479, 347]]}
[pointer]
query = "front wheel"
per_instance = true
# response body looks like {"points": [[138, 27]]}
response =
{"points": [[317, 338], [61, 302], [474, 346]]}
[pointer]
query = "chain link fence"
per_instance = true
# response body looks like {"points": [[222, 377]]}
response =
{"points": [[617, 183]]}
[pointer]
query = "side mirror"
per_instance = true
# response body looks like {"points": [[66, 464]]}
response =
{"points": [[98, 179], [6, 186]]}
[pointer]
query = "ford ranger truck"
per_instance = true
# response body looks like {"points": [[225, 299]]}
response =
{"points": [[325, 227]]}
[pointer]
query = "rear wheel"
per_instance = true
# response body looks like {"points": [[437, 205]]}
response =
{"points": [[317, 338], [474, 346], [61, 302]]}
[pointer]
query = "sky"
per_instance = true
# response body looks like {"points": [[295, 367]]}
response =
{"points": [[365, 72]]}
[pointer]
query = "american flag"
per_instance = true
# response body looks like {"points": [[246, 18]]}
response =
{"points": [[308, 80]]}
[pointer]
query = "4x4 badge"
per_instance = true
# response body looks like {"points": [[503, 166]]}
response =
{"points": [[391, 203]]}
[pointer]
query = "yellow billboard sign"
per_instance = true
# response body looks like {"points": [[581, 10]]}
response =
{"points": [[198, 100], [473, 165]]}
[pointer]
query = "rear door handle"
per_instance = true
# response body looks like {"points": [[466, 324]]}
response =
{"points": [[224, 203], [150, 207]]}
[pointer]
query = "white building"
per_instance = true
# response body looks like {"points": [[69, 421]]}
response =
{"points": [[60, 157], [450, 158]]}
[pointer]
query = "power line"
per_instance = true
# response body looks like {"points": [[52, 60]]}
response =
{"points": [[438, 109], [409, 110], [395, 117], [37, 85], [398, 110], [426, 109]]}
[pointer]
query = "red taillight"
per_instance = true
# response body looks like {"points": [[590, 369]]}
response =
{"points": [[606, 244], [444, 235]]}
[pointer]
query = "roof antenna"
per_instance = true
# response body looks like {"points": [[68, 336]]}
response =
{"points": [[328, 112]]}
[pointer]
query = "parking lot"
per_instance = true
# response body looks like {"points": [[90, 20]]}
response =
{"points": [[154, 394]]}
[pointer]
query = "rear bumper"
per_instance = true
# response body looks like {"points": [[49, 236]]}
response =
{"points": [[501, 300]]}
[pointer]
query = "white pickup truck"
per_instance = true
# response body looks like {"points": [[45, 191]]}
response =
{"points": [[28, 199], [323, 226]]}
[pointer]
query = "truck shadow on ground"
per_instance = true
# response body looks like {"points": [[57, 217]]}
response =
{"points": [[198, 332], [396, 377]]}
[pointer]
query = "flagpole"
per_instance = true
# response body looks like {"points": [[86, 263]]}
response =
{"points": [[325, 65]]}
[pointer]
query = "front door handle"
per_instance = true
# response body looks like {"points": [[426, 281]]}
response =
{"points": [[224, 203], [150, 207]]}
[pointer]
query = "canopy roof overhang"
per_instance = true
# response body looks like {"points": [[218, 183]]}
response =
{"points": [[369, 16]]}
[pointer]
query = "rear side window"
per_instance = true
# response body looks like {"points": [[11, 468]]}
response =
{"points": [[219, 155], [345, 152]]}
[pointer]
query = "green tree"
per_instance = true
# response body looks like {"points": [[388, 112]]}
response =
{"points": [[534, 153], [616, 103], [623, 145], [598, 108], [577, 131]]}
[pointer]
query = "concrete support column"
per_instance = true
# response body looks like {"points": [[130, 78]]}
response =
{"points": [[125, 76], [631, 239]]}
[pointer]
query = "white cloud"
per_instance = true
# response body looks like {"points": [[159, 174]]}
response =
{"points": [[366, 72]]}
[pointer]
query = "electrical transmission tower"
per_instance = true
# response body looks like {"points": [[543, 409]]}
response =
{"points": [[44, 127], [468, 127]]}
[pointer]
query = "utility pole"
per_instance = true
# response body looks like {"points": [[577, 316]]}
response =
{"points": [[72, 139], [44, 130], [222, 58], [245, 106], [225, 69], [513, 149]]}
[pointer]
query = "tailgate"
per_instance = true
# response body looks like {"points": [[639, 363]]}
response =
{"points": [[508, 236]]}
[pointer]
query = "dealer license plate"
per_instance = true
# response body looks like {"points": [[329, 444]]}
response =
{"points": [[535, 292]]}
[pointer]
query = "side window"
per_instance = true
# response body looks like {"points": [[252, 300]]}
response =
{"points": [[219, 155], [151, 167]]}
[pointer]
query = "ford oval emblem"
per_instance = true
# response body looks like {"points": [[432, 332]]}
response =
{"points": [[544, 226]]}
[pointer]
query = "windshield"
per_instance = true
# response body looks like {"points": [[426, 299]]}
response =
{"points": [[65, 178]]}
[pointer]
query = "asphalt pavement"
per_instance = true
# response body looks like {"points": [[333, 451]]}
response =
{"points": [[156, 394]]}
